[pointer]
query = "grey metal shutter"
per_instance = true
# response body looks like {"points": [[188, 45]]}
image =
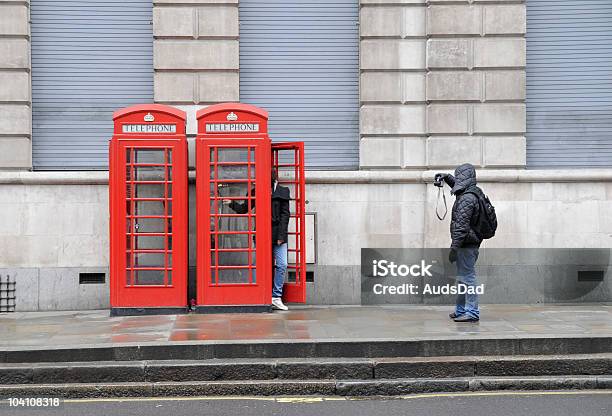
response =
{"points": [[569, 83], [89, 58], [299, 59]]}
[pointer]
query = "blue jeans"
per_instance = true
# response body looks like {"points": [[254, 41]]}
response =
{"points": [[467, 304], [280, 268]]}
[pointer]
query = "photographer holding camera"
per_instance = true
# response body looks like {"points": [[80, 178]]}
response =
{"points": [[472, 220]]}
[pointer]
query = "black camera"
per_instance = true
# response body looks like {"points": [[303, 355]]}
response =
{"points": [[438, 180]]}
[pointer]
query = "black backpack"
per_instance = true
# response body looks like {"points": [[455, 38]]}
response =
{"points": [[486, 224]]}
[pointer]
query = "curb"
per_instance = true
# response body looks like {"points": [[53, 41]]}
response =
{"points": [[306, 387], [305, 369], [315, 349]]}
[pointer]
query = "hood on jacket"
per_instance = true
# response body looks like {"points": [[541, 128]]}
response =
{"points": [[465, 177]]}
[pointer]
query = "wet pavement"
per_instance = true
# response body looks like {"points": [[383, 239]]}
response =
{"points": [[73, 328]]}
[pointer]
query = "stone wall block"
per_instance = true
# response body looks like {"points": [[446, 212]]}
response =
{"points": [[605, 219], [14, 53], [380, 152], [505, 19], [196, 55], [453, 151], [448, 118], [392, 21], [415, 152], [82, 251], [499, 52], [448, 53], [219, 87], [15, 119], [36, 219], [14, 19], [512, 192], [381, 86], [15, 152], [414, 21], [454, 20], [505, 151], [380, 21], [174, 87], [11, 223], [413, 87], [26, 289], [173, 22], [459, 86], [392, 119], [499, 118], [218, 21], [392, 87], [15, 86], [505, 85], [392, 54]]}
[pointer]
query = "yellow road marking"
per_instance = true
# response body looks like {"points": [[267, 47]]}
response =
{"points": [[504, 393], [318, 399], [300, 399]]}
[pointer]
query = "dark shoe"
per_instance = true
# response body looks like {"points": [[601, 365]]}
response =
{"points": [[465, 318], [452, 315]]}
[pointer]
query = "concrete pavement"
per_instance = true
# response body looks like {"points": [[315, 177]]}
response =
{"points": [[73, 328], [374, 331]]}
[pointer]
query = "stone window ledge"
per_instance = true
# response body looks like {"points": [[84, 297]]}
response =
{"points": [[335, 177]]}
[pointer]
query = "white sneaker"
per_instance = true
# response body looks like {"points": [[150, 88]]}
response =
{"points": [[277, 303]]}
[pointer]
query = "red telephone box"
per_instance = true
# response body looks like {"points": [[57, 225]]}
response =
{"points": [[234, 161], [148, 185]]}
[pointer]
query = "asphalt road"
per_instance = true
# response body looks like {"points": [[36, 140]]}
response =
{"points": [[574, 403]]}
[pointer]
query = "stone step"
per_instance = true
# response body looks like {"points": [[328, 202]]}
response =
{"points": [[448, 346], [363, 369], [305, 387]]}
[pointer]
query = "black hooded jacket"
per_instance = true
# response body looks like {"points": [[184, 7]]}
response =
{"points": [[280, 211], [466, 208]]}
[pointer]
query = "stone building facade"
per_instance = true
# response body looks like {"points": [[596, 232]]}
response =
{"points": [[442, 83]]}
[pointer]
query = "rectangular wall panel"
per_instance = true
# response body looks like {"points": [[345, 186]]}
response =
{"points": [[569, 83], [89, 58], [300, 61]]}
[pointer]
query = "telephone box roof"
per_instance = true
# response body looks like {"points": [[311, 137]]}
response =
{"points": [[247, 108], [150, 107]]}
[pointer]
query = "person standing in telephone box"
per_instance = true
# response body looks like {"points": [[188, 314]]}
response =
{"points": [[280, 225]]}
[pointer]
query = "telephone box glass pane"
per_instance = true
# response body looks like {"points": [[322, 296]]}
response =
{"points": [[232, 175], [226, 276], [149, 277], [152, 190], [243, 241], [233, 171], [230, 224], [150, 225], [150, 242], [149, 210], [156, 156], [231, 190], [148, 173], [148, 260], [152, 208]]}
